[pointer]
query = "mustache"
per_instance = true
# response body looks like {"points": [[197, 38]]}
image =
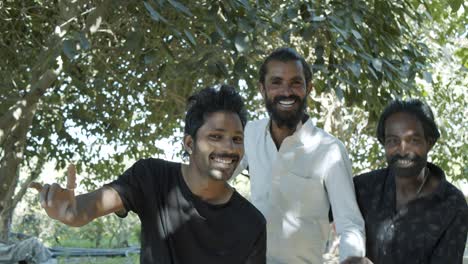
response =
{"points": [[282, 97], [409, 157], [226, 155]]}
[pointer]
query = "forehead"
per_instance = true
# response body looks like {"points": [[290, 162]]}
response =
{"points": [[402, 123], [222, 120], [291, 68]]}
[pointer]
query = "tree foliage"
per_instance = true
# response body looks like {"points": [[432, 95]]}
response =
{"points": [[81, 75]]}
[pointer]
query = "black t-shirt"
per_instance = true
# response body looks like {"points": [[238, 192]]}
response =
{"points": [[179, 228]]}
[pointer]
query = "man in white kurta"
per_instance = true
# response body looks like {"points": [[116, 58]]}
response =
{"points": [[298, 170]]}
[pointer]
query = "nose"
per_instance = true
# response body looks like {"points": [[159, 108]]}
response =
{"points": [[403, 148], [286, 90], [230, 146]]}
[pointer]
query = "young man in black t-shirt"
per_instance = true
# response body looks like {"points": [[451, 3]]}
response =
{"points": [[188, 212]]}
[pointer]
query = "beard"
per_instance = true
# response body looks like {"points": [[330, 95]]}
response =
{"points": [[409, 165], [288, 119]]}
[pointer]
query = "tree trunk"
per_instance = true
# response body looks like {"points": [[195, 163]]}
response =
{"points": [[17, 122]]}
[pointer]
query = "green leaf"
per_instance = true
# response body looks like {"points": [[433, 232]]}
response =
{"points": [[291, 12], [319, 18], [339, 92], [355, 68], [149, 58], [455, 5], [349, 49], [241, 42], [223, 71], [84, 42], [372, 72], [69, 48], [190, 37], [356, 34], [134, 41], [180, 7], [377, 63], [153, 13], [427, 76], [241, 65]]}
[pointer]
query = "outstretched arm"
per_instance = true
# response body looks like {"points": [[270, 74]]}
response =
{"points": [[62, 204]]}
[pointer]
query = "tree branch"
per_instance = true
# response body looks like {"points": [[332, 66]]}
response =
{"points": [[10, 119], [32, 176]]}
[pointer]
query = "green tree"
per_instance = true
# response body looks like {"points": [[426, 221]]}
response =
{"points": [[77, 75]]}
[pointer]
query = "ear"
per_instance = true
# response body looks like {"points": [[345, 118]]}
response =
{"points": [[188, 144], [309, 88], [430, 143], [261, 88]]}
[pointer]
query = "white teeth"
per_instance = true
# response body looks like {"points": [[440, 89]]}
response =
{"points": [[287, 102], [225, 161]]}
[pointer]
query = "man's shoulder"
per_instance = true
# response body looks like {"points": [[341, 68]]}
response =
{"points": [[320, 135], [154, 169], [456, 198], [156, 162], [254, 125], [369, 178], [248, 211]]}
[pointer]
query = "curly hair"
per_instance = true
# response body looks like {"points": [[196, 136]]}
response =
{"points": [[210, 100]]}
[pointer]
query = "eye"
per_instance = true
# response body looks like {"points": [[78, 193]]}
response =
{"points": [[416, 140], [391, 141], [215, 136], [238, 140]]}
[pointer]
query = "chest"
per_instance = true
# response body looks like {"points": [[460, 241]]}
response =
{"points": [[408, 236], [194, 232]]}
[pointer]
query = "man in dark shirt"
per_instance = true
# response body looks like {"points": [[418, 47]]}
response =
{"points": [[412, 213], [189, 213]]}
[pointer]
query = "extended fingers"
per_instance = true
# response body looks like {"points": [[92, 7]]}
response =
{"points": [[71, 177], [51, 195]]}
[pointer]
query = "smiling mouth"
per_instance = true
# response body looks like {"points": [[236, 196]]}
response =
{"points": [[224, 160], [404, 163], [286, 103]]}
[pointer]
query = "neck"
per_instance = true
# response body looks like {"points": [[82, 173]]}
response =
{"points": [[207, 189], [411, 185], [280, 133]]}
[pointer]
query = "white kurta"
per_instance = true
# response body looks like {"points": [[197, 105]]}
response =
{"points": [[294, 186]]}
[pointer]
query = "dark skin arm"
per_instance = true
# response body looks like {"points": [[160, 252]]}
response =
{"points": [[62, 204]]}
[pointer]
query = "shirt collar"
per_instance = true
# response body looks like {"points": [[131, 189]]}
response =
{"points": [[439, 173], [389, 196], [305, 121]]}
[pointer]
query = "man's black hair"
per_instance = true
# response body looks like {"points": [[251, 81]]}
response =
{"points": [[414, 107], [285, 55], [210, 100]]}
